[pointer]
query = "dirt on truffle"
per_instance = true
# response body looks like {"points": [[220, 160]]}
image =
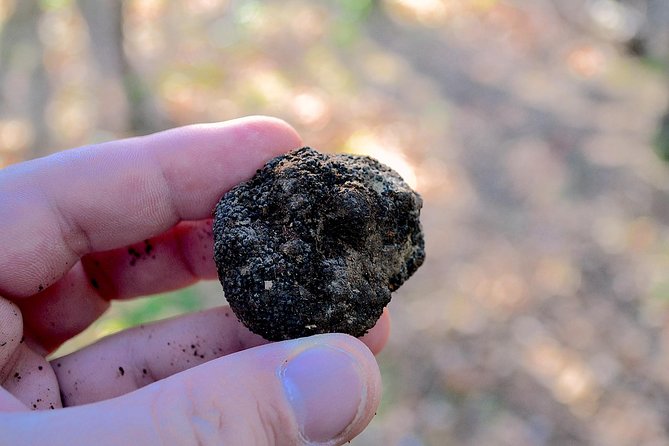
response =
{"points": [[315, 243]]}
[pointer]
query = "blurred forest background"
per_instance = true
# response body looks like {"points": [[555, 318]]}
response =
{"points": [[531, 128]]}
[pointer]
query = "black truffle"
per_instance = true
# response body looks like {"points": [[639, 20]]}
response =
{"points": [[315, 243]]}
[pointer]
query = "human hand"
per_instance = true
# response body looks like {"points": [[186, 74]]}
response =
{"points": [[131, 218]]}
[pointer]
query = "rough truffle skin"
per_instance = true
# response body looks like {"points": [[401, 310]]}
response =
{"points": [[315, 243]]}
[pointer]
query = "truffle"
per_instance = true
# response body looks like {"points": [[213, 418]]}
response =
{"points": [[315, 243]]}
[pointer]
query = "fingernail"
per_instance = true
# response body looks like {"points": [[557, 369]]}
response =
{"points": [[325, 388]]}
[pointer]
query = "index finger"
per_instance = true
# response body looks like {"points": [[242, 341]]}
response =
{"points": [[55, 209]]}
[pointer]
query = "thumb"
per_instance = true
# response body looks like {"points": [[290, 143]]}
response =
{"points": [[318, 390]]}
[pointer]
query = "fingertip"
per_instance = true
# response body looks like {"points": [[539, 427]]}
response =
{"points": [[377, 337], [286, 135], [11, 330], [262, 137], [198, 163], [11, 322]]}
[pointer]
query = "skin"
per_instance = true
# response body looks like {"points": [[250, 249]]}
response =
{"points": [[130, 218]]}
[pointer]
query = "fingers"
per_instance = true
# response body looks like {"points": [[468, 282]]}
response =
{"points": [[172, 260], [132, 359], [62, 311], [141, 355], [11, 330], [26, 380], [377, 338], [32, 381], [110, 195], [318, 390]]}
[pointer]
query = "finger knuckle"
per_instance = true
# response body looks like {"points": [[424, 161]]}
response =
{"points": [[276, 427], [188, 414], [182, 417]]}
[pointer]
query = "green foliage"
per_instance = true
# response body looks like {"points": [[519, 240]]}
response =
{"points": [[357, 10], [50, 5], [661, 143], [353, 15], [157, 307]]}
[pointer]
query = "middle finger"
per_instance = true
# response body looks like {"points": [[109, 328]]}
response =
{"points": [[173, 260]]}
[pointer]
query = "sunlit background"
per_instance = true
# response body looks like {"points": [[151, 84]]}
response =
{"points": [[534, 130]]}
